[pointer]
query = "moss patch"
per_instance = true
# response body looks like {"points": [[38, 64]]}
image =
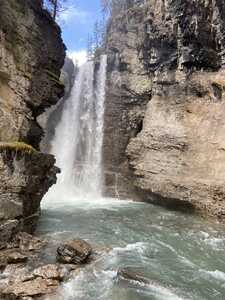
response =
{"points": [[17, 147]]}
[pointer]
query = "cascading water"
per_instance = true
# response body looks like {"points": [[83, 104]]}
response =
{"points": [[77, 144]]}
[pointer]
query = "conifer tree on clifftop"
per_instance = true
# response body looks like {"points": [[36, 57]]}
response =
{"points": [[55, 7]]}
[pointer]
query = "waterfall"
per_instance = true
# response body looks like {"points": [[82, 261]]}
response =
{"points": [[77, 144]]}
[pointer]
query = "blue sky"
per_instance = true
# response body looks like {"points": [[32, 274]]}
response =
{"points": [[76, 23]]}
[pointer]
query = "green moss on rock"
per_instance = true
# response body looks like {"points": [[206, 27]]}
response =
{"points": [[17, 147]]}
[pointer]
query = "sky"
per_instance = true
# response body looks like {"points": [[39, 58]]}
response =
{"points": [[76, 23]]}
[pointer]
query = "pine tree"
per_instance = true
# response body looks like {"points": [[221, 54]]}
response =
{"points": [[55, 7]]}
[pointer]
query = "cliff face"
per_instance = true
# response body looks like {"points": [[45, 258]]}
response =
{"points": [[128, 90], [25, 177], [31, 56], [168, 58]]}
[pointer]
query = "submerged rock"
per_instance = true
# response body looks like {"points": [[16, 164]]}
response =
{"points": [[74, 252], [133, 276]]}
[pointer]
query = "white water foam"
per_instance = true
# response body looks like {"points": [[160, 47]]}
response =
{"points": [[218, 275], [138, 247], [82, 288]]}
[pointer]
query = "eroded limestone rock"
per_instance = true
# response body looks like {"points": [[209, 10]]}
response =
{"points": [[165, 104]]}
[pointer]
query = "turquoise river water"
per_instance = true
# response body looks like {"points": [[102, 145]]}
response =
{"points": [[182, 255]]}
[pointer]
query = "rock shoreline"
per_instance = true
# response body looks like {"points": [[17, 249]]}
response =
{"points": [[25, 275]]}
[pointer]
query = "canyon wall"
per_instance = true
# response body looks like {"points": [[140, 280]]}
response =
{"points": [[165, 104], [31, 56]]}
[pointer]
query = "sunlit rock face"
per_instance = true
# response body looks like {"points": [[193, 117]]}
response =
{"points": [[31, 56], [168, 59]]}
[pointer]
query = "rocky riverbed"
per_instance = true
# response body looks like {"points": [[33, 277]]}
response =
{"points": [[26, 274]]}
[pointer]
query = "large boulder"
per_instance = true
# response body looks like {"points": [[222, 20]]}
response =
{"points": [[74, 252]]}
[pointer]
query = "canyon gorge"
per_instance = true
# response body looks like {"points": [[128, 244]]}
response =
{"points": [[126, 151]]}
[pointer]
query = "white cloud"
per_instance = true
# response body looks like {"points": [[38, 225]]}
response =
{"points": [[79, 57], [73, 13]]}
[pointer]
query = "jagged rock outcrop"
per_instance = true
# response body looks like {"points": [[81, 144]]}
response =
{"points": [[31, 56], [175, 51], [25, 178]]}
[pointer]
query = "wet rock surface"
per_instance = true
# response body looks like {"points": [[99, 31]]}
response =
{"points": [[74, 252], [130, 275], [50, 271], [36, 287], [24, 271]]}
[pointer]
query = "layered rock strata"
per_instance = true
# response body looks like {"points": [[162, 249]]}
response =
{"points": [[31, 56], [168, 59], [25, 178]]}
